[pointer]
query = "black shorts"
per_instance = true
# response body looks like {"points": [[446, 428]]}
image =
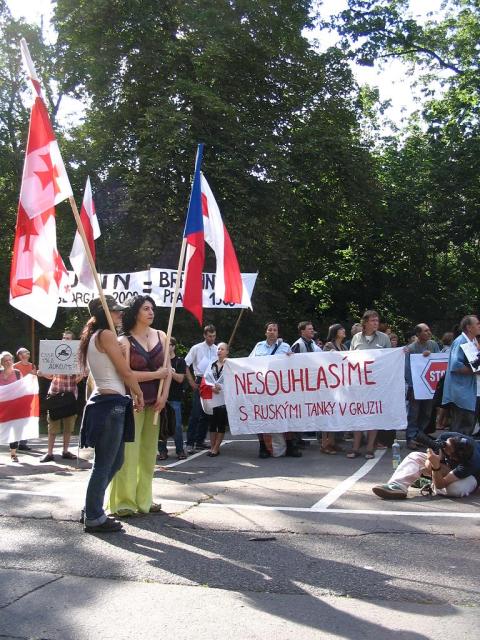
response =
{"points": [[219, 420]]}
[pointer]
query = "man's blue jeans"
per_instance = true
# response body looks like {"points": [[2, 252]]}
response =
{"points": [[198, 423], [109, 451], [162, 445], [418, 416]]}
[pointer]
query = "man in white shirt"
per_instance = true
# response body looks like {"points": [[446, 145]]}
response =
{"points": [[269, 347], [199, 358]]}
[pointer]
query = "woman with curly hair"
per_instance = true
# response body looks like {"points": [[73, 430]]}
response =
{"points": [[144, 347]]}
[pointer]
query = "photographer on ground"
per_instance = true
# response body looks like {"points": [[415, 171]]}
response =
{"points": [[453, 463]]}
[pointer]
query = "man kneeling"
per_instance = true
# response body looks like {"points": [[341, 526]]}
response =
{"points": [[455, 469]]}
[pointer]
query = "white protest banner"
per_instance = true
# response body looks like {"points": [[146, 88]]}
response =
{"points": [[426, 373], [157, 283], [334, 391], [19, 410], [59, 356]]}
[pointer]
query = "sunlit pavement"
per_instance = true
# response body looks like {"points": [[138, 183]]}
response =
{"points": [[290, 545]]}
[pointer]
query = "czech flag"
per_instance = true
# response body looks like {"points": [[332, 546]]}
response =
{"points": [[229, 285], [194, 235]]}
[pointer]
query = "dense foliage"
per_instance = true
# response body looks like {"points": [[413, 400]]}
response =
{"points": [[334, 216]]}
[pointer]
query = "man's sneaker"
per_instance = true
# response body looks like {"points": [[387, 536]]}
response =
{"points": [[24, 447], [421, 482], [109, 526], [202, 446], [48, 457], [190, 450], [390, 491]]}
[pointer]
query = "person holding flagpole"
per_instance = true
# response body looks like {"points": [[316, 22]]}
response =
{"points": [[108, 417], [130, 492]]}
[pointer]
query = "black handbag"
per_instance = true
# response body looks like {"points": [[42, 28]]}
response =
{"points": [[61, 405], [167, 423]]}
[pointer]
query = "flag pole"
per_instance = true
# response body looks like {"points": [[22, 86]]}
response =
{"points": [[36, 84], [32, 326], [173, 308], [91, 262], [181, 261], [236, 327]]}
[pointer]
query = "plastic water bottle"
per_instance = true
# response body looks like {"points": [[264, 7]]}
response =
{"points": [[396, 458]]}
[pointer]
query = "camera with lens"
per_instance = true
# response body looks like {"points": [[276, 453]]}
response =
{"points": [[436, 445]]}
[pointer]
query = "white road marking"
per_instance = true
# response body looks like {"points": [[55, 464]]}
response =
{"points": [[322, 506], [344, 486], [193, 456], [261, 507]]}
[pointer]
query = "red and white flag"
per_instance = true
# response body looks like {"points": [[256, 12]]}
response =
{"points": [[19, 410], [78, 257], [229, 285], [37, 269]]}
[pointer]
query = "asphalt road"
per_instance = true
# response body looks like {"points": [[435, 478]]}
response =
{"points": [[245, 548]]}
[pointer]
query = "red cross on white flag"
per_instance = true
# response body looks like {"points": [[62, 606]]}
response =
{"points": [[38, 271]]}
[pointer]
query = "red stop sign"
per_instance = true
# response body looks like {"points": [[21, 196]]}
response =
{"points": [[433, 372]]}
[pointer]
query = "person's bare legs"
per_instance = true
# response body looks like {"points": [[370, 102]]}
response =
{"points": [[371, 436], [66, 440], [218, 442], [357, 439], [51, 443]]}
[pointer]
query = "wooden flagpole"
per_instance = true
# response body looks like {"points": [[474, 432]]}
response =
{"points": [[91, 262], [36, 83], [198, 160], [173, 308], [33, 351], [236, 327]]}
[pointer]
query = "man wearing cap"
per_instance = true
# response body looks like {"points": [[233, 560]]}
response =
{"points": [[25, 367], [60, 384]]}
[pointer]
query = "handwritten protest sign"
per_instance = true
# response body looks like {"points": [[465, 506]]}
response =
{"points": [[157, 283], [334, 391], [59, 356], [426, 373]]}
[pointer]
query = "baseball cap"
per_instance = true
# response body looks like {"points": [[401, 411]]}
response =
{"points": [[95, 305]]}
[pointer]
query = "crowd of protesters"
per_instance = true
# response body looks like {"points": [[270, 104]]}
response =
{"points": [[125, 472]]}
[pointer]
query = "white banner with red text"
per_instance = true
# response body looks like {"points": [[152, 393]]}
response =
{"points": [[426, 373], [334, 391], [19, 410], [157, 283]]}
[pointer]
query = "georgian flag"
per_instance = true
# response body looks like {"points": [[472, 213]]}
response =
{"points": [[19, 410], [37, 272], [78, 257]]}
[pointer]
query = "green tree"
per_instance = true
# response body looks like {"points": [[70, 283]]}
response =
{"points": [[239, 76]]}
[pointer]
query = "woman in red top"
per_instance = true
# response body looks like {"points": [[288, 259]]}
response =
{"points": [[144, 347], [7, 376]]}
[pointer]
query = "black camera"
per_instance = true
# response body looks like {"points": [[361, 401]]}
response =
{"points": [[431, 443]]}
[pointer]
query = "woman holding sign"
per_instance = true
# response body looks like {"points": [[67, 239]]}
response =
{"points": [[144, 348]]}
